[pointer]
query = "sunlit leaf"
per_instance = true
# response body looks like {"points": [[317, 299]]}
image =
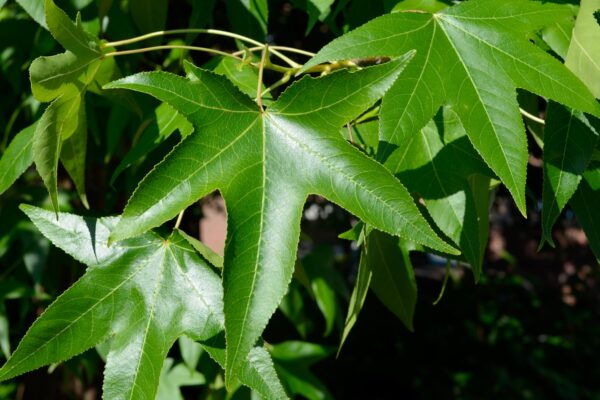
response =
{"points": [[266, 163]]}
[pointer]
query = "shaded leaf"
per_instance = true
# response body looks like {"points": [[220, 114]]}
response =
{"points": [[569, 142], [358, 297], [393, 280], [248, 17], [63, 117], [435, 164], [17, 157], [149, 15], [265, 163], [319, 269], [585, 205], [292, 361]]}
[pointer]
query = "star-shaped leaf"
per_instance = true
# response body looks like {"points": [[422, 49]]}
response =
{"points": [[471, 56], [266, 163], [140, 293]]}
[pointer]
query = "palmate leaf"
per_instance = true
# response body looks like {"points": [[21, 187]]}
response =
{"points": [[471, 56], [142, 294], [265, 163]]}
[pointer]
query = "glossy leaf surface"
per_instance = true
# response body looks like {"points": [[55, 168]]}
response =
{"points": [[265, 163], [143, 293], [471, 56]]}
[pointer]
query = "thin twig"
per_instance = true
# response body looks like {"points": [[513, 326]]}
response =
{"points": [[179, 218], [261, 68], [217, 32], [447, 274], [171, 47], [532, 117]]}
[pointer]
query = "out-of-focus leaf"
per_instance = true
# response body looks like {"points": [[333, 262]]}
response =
{"points": [[292, 362], [166, 121], [317, 10], [583, 57], [149, 15], [190, 351], [292, 307], [35, 9], [4, 329], [17, 157], [357, 299], [204, 250], [421, 5], [248, 17], [319, 267], [393, 280], [585, 205], [60, 120], [172, 378]]}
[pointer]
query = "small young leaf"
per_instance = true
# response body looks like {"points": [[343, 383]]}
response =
{"points": [[358, 297]]}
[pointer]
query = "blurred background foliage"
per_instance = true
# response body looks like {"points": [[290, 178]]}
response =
{"points": [[530, 329]]}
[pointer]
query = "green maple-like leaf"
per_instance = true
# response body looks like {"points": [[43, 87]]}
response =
{"points": [[265, 163], [142, 294], [471, 56]]}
